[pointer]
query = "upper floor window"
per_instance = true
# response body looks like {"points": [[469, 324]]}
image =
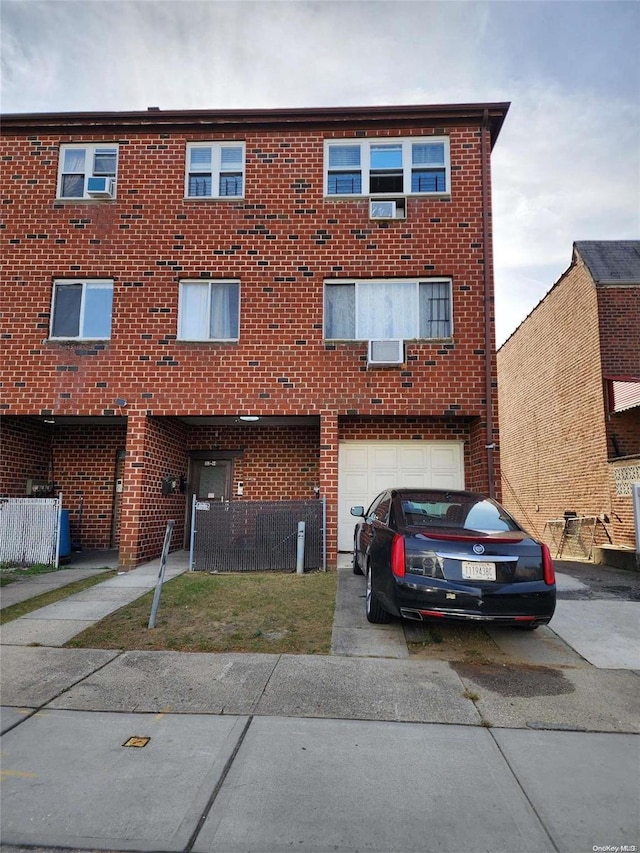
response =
{"points": [[87, 171], [412, 166], [387, 309], [82, 309], [215, 170], [209, 310]]}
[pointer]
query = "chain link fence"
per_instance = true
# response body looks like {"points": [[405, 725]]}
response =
{"points": [[29, 531], [256, 536]]}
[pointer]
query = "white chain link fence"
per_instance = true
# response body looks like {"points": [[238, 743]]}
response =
{"points": [[30, 531]]}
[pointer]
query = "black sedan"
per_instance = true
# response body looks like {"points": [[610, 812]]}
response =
{"points": [[436, 554]]}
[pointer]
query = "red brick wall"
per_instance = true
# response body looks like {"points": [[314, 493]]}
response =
{"points": [[26, 454], [552, 413], [85, 465], [79, 460], [282, 241], [156, 447], [277, 463], [619, 310]]}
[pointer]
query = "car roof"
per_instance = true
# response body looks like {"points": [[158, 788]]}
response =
{"points": [[445, 494]]}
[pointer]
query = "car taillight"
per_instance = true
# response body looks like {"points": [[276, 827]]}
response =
{"points": [[547, 566], [397, 556]]}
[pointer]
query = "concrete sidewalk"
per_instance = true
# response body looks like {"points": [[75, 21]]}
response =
{"points": [[365, 749], [57, 623]]}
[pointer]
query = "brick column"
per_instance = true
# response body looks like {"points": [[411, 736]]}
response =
{"points": [[329, 480], [133, 491]]}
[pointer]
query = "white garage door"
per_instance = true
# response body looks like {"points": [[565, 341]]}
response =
{"points": [[365, 468]]}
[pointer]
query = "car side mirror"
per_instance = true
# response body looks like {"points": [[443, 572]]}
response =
{"points": [[357, 511]]}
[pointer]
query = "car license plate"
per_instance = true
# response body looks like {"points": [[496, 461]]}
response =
{"points": [[473, 571]]}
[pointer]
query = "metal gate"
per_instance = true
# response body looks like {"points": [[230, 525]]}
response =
{"points": [[254, 536], [30, 530]]}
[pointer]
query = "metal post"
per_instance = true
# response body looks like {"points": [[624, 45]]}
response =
{"points": [[300, 552], [635, 493], [160, 581], [192, 538], [324, 533], [57, 562]]}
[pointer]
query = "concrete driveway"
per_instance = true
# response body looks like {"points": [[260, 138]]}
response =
{"points": [[597, 617]]}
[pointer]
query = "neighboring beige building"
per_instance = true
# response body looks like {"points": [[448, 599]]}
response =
{"points": [[569, 400]]}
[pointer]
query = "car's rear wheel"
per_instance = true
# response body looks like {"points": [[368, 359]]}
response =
{"points": [[355, 564], [374, 610]]}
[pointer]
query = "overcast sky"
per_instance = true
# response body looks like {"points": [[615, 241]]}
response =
{"points": [[566, 166]]}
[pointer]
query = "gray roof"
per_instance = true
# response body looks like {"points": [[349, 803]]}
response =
{"points": [[611, 261]]}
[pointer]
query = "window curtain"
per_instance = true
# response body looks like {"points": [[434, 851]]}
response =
{"points": [[194, 300], [386, 309], [200, 159], [428, 155], [72, 184], [104, 162], [231, 159], [224, 311], [340, 311], [344, 156], [74, 160]]}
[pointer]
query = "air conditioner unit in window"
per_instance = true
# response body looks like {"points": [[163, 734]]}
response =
{"points": [[385, 353], [100, 187], [387, 208], [382, 209]]}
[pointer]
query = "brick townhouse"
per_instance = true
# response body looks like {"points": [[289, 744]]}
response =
{"points": [[570, 403], [245, 305]]}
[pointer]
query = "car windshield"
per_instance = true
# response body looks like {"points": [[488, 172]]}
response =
{"points": [[457, 511]]}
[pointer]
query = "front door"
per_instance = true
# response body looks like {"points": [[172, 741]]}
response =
{"points": [[210, 479]]}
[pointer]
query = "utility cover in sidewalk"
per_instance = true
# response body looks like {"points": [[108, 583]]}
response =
{"points": [[137, 742]]}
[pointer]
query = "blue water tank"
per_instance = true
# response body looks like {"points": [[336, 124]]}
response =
{"points": [[65, 534]]}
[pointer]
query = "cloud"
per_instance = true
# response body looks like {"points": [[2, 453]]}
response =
{"points": [[196, 55], [565, 166], [560, 174]]}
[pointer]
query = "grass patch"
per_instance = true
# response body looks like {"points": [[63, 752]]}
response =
{"points": [[10, 573], [261, 613], [24, 607]]}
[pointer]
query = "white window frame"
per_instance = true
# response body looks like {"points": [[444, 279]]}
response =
{"points": [[216, 169], [209, 283], [87, 283], [366, 146], [90, 149], [358, 336]]}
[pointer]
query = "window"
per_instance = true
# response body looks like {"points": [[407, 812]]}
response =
{"points": [[387, 309], [79, 163], [215, 170], [345, 174], [209, 311], [472, 514], [82, 309], [388, 167]]}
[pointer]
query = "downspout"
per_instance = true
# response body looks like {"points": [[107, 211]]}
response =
{"points": [[488, 343]]}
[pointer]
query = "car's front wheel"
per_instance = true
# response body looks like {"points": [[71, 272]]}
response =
{"points": [[374, 610]]}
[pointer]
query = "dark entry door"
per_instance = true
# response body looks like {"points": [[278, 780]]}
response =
{"points": [[211, 480]]}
